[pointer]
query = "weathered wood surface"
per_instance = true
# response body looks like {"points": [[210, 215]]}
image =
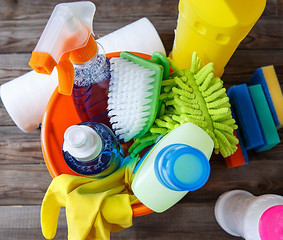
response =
{"points": [[187, 221], [24, 176]]}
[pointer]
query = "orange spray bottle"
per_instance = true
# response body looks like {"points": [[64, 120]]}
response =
{"points": [[68, 44]]}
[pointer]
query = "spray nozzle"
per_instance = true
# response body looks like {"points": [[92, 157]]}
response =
{"points": [[67, 35]]}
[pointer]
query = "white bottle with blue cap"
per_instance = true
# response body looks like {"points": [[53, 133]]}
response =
{"points": [[177, 164]]}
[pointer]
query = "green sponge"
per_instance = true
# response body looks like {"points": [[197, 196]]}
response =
{"points": [[195, 95], [268, 128]]}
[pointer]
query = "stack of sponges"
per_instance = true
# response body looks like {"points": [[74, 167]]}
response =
{"points": [[267, 78], [258, 110], [194, 95]]}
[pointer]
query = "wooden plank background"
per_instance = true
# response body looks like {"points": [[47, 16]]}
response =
{"points": [[23, 175]]}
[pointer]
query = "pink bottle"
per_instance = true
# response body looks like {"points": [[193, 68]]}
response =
{"points": [[242, 214]]}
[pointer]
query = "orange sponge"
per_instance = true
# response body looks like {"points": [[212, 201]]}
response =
{"points": [[240, 157]]}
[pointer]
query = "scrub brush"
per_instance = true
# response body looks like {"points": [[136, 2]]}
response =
{"points": [[194, 95], [134, 90]]}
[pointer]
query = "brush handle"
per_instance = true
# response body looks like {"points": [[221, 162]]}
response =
{"points": [[160, 58], [157, 58]]}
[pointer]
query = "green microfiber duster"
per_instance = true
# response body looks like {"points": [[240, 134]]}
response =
{"points": [[194, 95]]}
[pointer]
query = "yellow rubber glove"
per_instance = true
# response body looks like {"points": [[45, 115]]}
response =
{"points": [[94, 208]]}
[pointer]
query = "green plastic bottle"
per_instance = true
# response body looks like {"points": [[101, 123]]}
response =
{"points": [[178, 163]]}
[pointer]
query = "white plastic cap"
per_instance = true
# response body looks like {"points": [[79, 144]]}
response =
{"points": [[82, 142], [69, 22]]}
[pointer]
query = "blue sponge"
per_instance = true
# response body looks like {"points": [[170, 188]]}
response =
{"points": [[241, 143], [241, 151], [268, 128], [245, 116]]}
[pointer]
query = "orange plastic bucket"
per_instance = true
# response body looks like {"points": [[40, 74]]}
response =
{"points": [[60, 113]]}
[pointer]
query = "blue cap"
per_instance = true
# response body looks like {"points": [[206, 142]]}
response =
{"points": [[180, 167]]}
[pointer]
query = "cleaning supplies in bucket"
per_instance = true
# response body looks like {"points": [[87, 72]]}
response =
{"points": [[67, 42], [242, 214], [134, 93], [91, 149], [178, 163], [18, 95]]}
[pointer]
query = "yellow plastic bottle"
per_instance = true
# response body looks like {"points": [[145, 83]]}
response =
{"points": [[213, 29]]}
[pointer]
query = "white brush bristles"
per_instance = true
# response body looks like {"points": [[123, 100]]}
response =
{"points": [[129, 100]]}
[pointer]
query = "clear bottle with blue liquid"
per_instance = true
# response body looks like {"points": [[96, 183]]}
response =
{"points": [[91, 149]]}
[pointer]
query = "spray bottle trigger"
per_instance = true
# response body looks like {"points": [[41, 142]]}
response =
{"points": [[66, 75]]}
